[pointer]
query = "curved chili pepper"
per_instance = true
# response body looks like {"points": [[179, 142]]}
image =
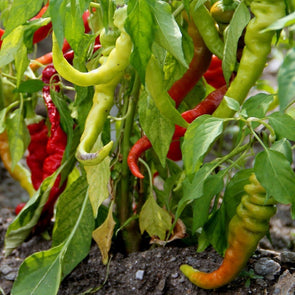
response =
{"points": [[115, 64], [207, 106], [19, 173], [255, 53], [197, 67], [214, 74], [248, 226]]}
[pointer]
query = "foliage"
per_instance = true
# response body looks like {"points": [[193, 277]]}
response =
{"points": [[104, 201]]}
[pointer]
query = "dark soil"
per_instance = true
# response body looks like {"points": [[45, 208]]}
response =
{"points": [[271, 269]]}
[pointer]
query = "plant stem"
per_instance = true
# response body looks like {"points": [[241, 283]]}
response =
{"points": [[131, 234]]}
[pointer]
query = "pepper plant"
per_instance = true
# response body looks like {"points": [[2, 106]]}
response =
{"points": [[146, 120]]}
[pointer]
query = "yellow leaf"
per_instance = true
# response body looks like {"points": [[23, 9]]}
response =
{"points": [[98, 178], [154, 219], [103, 235]]}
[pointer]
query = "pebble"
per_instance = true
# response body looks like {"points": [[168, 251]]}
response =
{"points": [[288, 257], [285, 284], [267, 267], [139, 274]]}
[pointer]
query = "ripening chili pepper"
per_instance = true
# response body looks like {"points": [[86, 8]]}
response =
{"points": [[214, 74], [248, 226], [255, 53], [207, 106], [1, 34], [197, 67], [19, 173]]}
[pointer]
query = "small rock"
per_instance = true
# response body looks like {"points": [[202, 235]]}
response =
{"points": [[288, 257], [5, 269], [139, 274], [162, 284], [267, 268], [175, 275], [285, 284]]}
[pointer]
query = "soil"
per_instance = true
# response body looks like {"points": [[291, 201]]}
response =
{"points": [[271, 269]]}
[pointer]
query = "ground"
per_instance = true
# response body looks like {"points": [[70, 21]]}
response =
{"points": [[271, 269]]}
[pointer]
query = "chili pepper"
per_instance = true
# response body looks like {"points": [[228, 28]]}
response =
{"points": [[1, 34], [114, 65], [19, 173], [248, 226], [37, 151], [113, 68], [255, 52], [206, 26], [207, 106], [197, 67], [214, 75], [55, 147]]}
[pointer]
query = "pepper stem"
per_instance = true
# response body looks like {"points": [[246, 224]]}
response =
{"points": [[131, 234]]}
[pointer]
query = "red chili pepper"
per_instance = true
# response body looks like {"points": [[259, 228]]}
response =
{"points": [[198, 66], [214, 75], [207, 106], [54, 149], [37, 151]]}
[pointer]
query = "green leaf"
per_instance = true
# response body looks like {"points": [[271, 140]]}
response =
{"points": [[234, 31], [283, 124], [156, 88], [199, 137], [57, 10], [212, 186], [98, 178], [232, 103], [74, 223], [193, 188], [11, 45], [18, 136], [22, 225], [39, 273], [286, 80], [154, 220], [3, 114], [21, 11], [30, 86], [140, 26], [283, 146], [275, 174], [257, 105], [103, 235], [21, 63], [155, 126], [167, 33]]}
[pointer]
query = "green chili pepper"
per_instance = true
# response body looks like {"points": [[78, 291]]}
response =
{"points": [[113, 65], [102, 104], [248, 226], [254, 56]]}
